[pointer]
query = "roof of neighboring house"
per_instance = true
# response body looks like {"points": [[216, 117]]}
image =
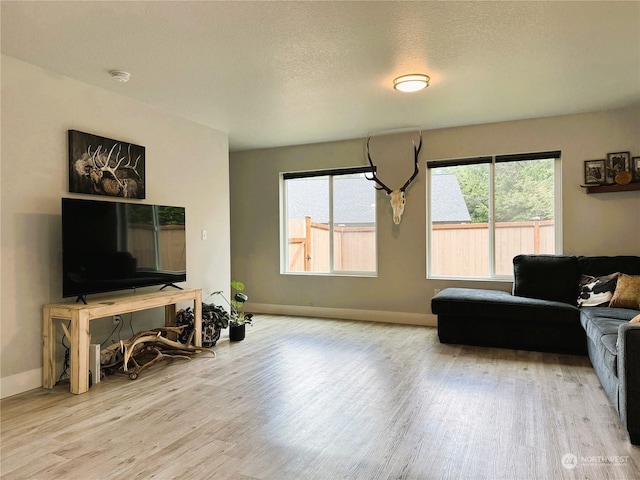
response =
{"points": [[447, 202], [355, 200]]}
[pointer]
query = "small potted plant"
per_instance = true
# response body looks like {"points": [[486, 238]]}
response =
{"points": [[237, 318]]}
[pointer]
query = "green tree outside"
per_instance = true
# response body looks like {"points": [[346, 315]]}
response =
{"points": [[524, 190]]}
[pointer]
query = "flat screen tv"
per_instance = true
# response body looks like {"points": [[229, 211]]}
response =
{"points": [[109, 246]]}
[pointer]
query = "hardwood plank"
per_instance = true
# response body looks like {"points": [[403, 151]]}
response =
{"points": [[307, 398]]}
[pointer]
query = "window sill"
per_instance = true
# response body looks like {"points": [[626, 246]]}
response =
{"points": [[334, 274], [474, 279]]}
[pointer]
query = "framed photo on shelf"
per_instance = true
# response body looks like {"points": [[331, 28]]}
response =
{"points": [[594, 173], [616, 163], [635, 168]]}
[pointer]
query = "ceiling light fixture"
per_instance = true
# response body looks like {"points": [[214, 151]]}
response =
{"points": [[120, 76], [411, 83]]}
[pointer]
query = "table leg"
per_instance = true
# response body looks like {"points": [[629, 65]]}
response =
{"points": [[170, 312], [79, 357], [48, 349]]}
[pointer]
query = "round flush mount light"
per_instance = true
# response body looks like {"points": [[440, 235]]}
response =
{"points": [[120, 76], [411, 83]]}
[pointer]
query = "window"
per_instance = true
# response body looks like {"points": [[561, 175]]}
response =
{"points": [[484, 211], [328, 222]]}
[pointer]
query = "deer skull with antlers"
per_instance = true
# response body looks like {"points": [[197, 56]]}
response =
{"points": [[397, 199]]}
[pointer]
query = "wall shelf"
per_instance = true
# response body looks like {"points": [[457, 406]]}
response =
{"points": [[629, 187]]}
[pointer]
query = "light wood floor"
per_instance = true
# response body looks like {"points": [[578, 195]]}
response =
{"points": [[305, 398]]}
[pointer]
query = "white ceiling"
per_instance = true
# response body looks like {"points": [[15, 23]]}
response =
{"points": [[283, 73]]}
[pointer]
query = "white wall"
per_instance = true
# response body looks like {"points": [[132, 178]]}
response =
{"points": [[604, 224], [186, 165]]}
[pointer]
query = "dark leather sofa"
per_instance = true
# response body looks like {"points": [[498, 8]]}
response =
{"points": [[542, 315]]}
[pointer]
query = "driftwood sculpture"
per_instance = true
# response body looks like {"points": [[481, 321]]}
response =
{"points": [[145, 349]]}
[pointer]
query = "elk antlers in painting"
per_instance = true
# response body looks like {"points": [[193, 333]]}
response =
{"points": [[103, 166], [398, 198]]}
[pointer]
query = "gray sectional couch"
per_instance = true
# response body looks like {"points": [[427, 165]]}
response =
{"points": [[542, 315]]}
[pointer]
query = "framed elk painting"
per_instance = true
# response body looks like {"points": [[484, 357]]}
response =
{"points": [[102, 166]]}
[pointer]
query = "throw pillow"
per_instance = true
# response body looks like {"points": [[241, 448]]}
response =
{"points": [[597, 291], [635, 319], [627, 294]]}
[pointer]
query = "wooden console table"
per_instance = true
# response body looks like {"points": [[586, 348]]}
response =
{"points": [[79, 315]]}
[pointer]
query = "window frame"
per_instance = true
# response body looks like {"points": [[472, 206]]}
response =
{"points": [[492, 160], [283, 228]]}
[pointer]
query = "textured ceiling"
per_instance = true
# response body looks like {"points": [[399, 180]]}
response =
{"points": [[283, 73]]}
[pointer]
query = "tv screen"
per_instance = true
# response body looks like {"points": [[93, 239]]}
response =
{"points": [[108, 246]]}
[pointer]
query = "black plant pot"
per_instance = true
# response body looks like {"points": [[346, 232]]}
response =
{"points": [[236, 333]]}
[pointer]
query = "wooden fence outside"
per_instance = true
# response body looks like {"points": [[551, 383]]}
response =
{"points": [[309, 247], [463, 250], [457, 249]]}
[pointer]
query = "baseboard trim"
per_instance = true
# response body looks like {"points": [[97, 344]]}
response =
{"points": [[20, 382], [383, 316]]}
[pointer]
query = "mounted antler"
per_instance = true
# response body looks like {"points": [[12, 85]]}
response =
{"points": [[397, 199]]}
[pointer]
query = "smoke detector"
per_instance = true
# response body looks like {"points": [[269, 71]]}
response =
{"points": [[120, 76]]}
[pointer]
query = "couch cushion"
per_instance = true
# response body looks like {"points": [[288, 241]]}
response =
{"points": [[598, 321], [546, 277], [601, 325], [495, 318], [598, 266], [496, 304]]}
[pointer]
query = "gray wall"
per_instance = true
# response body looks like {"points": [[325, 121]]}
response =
{"points": [[604, 224], [186, 165]]}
